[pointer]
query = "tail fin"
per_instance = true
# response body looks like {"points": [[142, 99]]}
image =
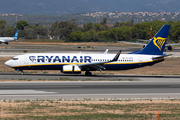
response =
{"points": [[16, 34], [157, 44]]}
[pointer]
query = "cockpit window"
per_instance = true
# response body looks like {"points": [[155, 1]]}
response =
{"points": [[14, 58]]}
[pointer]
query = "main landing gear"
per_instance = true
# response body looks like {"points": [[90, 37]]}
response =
{"points": [[22, 73], [87, 73]]}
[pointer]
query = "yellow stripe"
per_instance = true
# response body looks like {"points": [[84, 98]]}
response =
{"points": [[136, 62], [50, 64], [67, 70], [71, 70]]}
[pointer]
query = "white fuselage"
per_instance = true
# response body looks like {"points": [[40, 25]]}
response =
{"points": [[6, 39], [55, 61]]}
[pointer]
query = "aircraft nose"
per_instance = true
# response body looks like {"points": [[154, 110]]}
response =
{"points": [[8, 63]]}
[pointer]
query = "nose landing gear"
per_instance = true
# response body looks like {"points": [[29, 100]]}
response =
{"points": [[22, 73], [87, 73], [19, 70]]}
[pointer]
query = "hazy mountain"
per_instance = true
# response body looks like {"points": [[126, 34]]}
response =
{"points": [[57, 7]]}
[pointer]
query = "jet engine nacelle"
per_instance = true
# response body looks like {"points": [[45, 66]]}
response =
{"points": [[169, 47], [71, 69]]}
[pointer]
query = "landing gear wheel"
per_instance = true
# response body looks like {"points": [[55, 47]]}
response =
{"points": [[87, 73], [22, 73]]}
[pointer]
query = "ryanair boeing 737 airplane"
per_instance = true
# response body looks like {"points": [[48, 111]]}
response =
{"points": [[75, 63]]}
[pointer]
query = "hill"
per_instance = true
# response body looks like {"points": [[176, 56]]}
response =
{"points": [[59, 7]]}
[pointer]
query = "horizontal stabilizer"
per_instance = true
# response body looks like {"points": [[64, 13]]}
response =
{"points": [[161, 56]]}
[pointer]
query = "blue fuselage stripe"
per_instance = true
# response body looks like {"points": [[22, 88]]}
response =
{"points": [[107, 66]]}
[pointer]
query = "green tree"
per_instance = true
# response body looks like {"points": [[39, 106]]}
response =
{"points": [[104, 22], [104, 34], [97, 27], [124, 33], [21, 24], [2, 24], [41, 30], [28, 32], [117, 24], [63, 29], [88, 26], [91, 36], [113, 34], [76, 36], [9, 31]]}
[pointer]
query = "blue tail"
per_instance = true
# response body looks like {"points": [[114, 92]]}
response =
{"points": [[16, 34], [157, 44]]}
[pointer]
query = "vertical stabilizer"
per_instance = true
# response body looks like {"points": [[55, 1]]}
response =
{"points": [[16, 34], [157, 44]]}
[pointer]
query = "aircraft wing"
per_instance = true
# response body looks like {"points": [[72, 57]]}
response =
{"points": [[173, 44], [132, 43], [20, 39], [143, 40], [100, 65]]}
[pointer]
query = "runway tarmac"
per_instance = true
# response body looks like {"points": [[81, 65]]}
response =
{"points": [[12, 50], [18, 49], [15, 53], [130, 87], [123, 87]]}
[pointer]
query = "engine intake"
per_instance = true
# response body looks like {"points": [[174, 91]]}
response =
{"points": [[170, 47]]}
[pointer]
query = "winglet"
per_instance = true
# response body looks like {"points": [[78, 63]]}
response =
{"points": [[116, 57], [159, 57]]}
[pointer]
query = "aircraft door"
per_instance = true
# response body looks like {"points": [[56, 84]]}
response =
{"points": [[140, 60], [26, 60]]}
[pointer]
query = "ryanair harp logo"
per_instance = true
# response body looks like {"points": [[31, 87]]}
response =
{"points": [[32, 58], [159, 42]]}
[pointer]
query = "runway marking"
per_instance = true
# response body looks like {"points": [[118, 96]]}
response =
{"points": [[5, 92], [40, 94]]}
